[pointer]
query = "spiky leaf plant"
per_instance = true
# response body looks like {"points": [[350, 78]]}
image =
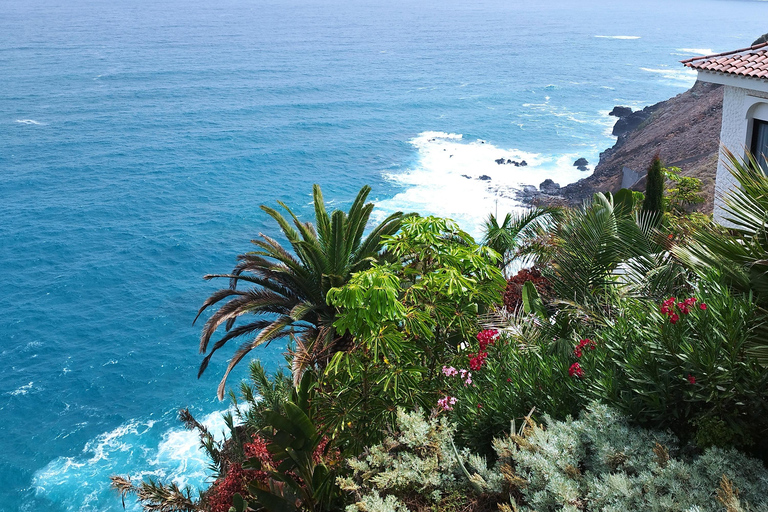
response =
{"points": [[287, 290]]}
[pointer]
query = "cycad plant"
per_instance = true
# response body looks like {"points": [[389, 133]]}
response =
{"points": [[287, 294]]}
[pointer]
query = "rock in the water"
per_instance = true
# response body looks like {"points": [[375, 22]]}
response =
{"points": [[549, 187], [619, 111], [581, 162], [484, 177], [500, 161], [523, 163], [760, 40], [529, 190], [465, 176]]}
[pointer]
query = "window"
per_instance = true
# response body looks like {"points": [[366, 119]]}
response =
{"points": [[760, 143]]}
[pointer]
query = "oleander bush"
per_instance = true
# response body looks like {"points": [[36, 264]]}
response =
{"points": [[681, 364]]}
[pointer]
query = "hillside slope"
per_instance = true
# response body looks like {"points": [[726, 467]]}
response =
{"points": [[684, 130]]}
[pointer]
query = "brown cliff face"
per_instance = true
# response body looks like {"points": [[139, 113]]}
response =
{"points": [[684, 131]]}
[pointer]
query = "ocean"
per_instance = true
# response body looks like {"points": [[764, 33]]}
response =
{"points": [[138, 139]]}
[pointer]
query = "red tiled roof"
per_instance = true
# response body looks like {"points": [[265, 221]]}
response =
{"points": [[751, 62]]}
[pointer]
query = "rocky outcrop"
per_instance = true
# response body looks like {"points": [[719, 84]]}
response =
{"points": [[684, 131], [549, 187], [509, 161]]}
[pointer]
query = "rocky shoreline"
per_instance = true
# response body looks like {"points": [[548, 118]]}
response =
{"points": [[683, 130]]}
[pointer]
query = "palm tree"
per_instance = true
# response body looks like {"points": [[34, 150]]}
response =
{"points": [[507, 237], [742, 255], [288, 291]]}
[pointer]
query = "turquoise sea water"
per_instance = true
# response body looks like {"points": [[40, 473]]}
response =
{"points": [[138, 138]]}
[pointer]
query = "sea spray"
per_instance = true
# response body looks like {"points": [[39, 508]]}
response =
{"points": [[468, 180], [142, 449]]}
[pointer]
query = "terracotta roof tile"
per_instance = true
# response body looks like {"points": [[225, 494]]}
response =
{"points": [[752, 62]]}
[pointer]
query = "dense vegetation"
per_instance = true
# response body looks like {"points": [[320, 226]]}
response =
{"points": [[607, 357]]}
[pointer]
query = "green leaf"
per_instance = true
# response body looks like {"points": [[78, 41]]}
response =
{"points": [[532, 302]]}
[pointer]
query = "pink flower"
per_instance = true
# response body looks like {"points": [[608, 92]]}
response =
{"points": [[575, 370], [449, 371], [691, 379], [447, 403]]}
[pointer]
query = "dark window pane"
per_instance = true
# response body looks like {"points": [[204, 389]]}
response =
{"points": [[760, 143]]}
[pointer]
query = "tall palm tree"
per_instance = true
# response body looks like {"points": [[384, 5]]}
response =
{"points": [[287, 296]]}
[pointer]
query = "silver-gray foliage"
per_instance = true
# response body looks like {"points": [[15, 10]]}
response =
{"points": [[596, 463]]}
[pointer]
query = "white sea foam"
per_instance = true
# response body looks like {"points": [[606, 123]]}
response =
{"points": [[696, 51], [22, 390], [136, 448], [29, 121], [445, 180], [619, 37], [676, 76]]}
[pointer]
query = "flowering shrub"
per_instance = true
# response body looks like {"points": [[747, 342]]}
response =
{"points": [[507, 379], [683, 365]]}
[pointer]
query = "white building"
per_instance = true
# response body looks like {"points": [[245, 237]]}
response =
{"points": [[744, 75]]}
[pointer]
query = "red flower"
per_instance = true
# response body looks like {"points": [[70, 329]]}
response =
{"points": [[509, 380], [691, 379], [487, 337], [575, 370], [674, 318], [476, 361], [585, 343], [479, 406], [702, 306]]}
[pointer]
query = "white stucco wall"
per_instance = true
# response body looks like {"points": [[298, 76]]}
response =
{"points": [[744, 99]]}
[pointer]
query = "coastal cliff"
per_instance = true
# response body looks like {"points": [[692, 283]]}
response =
{"points": [[683, 130]]}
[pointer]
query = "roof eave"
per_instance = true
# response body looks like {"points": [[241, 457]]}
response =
{"points": [[744, 82]]}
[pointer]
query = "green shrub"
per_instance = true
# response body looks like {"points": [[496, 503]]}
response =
{"points": [[686, 369], [654, 187]]}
